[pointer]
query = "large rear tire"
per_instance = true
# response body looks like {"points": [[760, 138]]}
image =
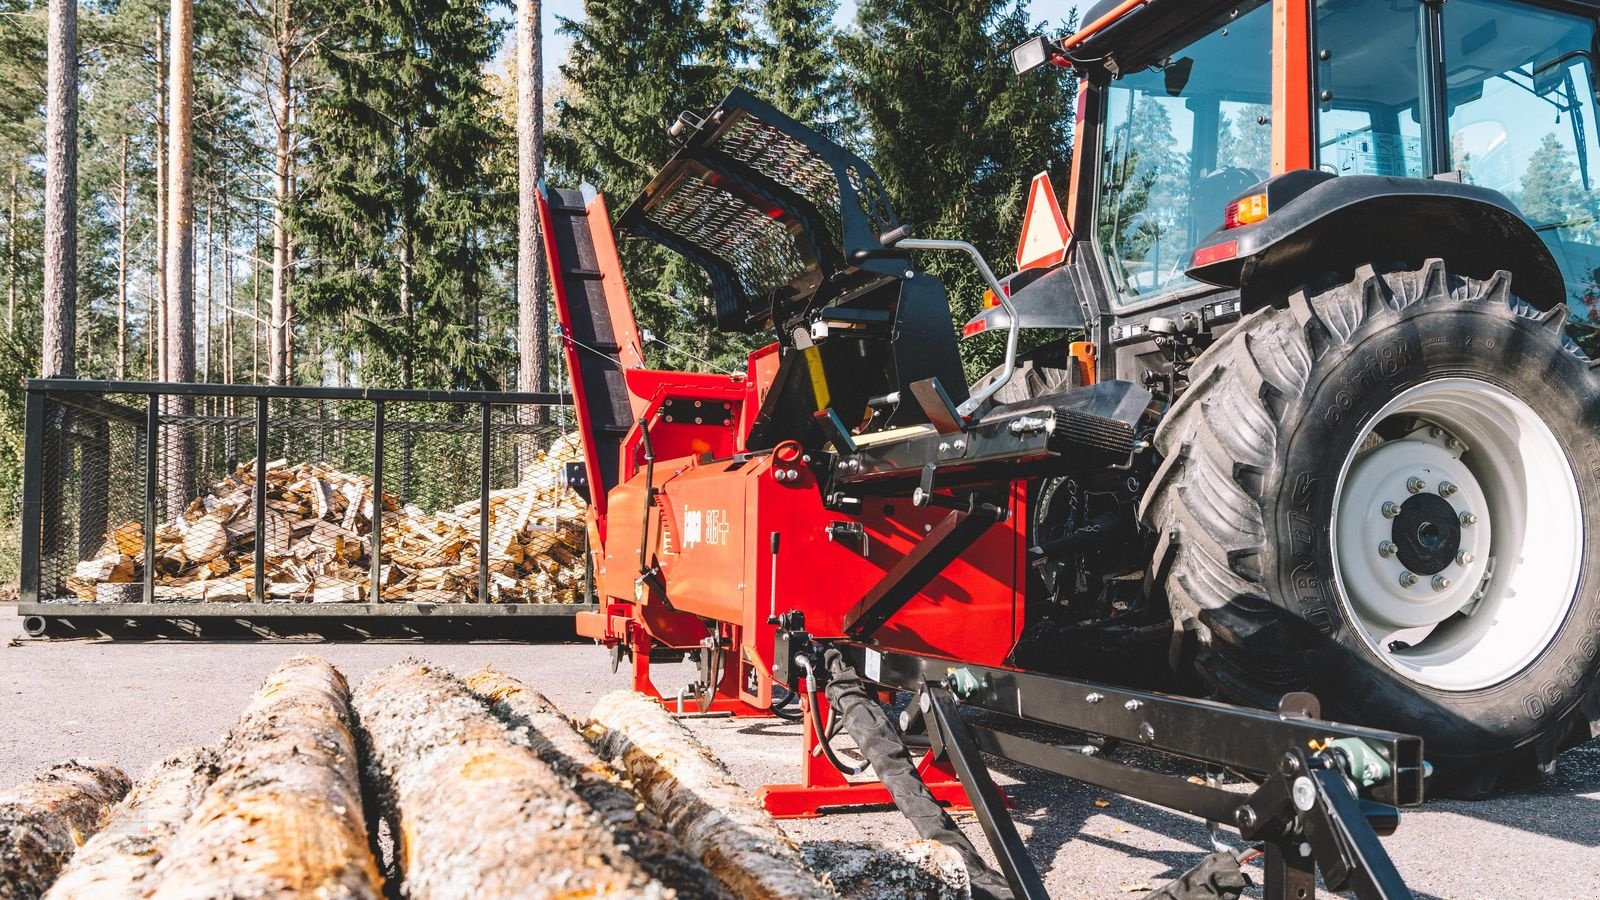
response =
{"points": [[1385, 491]]}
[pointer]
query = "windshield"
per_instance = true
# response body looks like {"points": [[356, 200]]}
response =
{"points": [[1180, 138], [1517, 111]]}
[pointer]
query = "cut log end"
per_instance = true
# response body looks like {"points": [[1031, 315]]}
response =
{"points": [[44, 820]]}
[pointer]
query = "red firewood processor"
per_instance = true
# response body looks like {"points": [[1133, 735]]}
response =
{"points": [[1302, 422]]}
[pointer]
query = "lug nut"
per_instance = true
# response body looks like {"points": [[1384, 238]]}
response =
{"points": [[1469, 519], [1390, 509], [1454, 444], [1387, 549], [1415, 484], [1407, 579], [1447, 488], [1464, 558], [1441, 583]]}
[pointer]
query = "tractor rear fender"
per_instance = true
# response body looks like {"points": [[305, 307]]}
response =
{"points": [[1318, 223]]}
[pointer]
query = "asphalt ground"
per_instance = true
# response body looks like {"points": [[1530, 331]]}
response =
{"points": [[132, 702]]}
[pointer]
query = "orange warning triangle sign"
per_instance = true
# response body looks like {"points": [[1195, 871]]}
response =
{"points": [[1044, 229]]}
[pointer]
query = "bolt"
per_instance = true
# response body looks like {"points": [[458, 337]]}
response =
{"points": [[1132, 705], [1469, 519], [1454, 444], [1436, 432], [1464, 558], [1245, 817], [1441, 583], [1387, 549], [911, 273], [1407, 579], [1415, 484], [1093, 698], [905, 719], [924, 702], [1304, 793], [1446, 488], [944, 446], [1390, 509], [959, 444], [1147, 732], [1305, 850]]}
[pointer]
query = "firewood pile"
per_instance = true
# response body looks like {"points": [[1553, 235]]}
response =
{"points": [[317, 535], [484, 788]]}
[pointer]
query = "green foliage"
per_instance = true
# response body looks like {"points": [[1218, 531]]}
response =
{"points": [[399, 211], [952, 131]]}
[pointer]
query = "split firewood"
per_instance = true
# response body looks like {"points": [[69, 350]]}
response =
{"points": [[475, 812], [714, 816], [43, 821], [545, 730], [284, 816], [116, 864], [317, 539]]}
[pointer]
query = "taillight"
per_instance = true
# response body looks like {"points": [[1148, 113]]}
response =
{"points": [[990, 301], [976, 326], [1245, 211], [1205, 256]]}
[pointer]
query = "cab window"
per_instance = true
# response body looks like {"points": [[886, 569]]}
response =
{"points": [[1182, 135]]}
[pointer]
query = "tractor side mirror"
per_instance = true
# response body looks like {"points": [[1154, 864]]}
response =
{"points": [[1031, 55]]}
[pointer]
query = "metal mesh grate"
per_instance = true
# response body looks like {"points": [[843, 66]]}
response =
{"points": [[761, 250], [271, 500], [788, 162]]}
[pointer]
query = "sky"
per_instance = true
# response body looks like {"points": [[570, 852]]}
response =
{"points": [[555, 45]]}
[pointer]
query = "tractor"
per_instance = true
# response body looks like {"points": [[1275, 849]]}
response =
{"points": [[1302, 429]]}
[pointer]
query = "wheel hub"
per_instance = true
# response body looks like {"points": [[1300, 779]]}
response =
{"points": [[1409, 561]]}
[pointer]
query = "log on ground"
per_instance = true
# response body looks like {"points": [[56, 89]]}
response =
{"points": [[474, 813], [44, 820], [117, 863], [927, 870], [716, 818], [284, 816], [547, 731]]}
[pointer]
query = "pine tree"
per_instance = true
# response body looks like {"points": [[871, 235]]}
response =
{"points": [[632, 68], [796, 68], [398, 209], [953, 133]]}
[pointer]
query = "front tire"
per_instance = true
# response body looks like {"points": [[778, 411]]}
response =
{"points": [[1385, 491]]}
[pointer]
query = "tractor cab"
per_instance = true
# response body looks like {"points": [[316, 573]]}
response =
{"points": [[1193, 109]]}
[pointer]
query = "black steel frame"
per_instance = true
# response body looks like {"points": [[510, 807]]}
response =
{"points": [[1302, 810], [88, 395]]}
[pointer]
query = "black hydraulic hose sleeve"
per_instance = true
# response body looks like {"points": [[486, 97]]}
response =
{"points": [[1216, 878], [869, 725]]}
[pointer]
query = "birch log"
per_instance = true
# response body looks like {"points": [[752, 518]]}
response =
{"points": [[714, 816], [116, 863], [545, 730], [476, 814], [43, 821], [284, 816]]}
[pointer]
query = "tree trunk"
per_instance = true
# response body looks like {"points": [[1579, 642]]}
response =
{"points": [[11, 256], [116, 864], [533, 317], [255, 298], [156, 327], [284, 817], [277, 332], [61, 191], [537, 723], [227, 292], [467, 801], [42, 821], [211, 278], [685, 785], [122, 260], [179, 318]]}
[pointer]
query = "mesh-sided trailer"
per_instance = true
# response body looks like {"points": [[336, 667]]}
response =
{"points": [[199, 504]]}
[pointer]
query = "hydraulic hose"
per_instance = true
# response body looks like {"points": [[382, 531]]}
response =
{"points": [[878, 740]]}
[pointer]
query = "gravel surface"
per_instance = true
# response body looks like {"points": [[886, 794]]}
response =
{"points": [[135, 702]]}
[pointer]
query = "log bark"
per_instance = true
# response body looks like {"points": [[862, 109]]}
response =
{"points": [[714, 816], [474, 813], [116, 864], [544, 729], [43, 821], [284, 817], [927, 870]]}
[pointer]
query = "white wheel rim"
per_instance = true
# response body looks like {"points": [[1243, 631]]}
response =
{"points": [[1514, 560]]}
